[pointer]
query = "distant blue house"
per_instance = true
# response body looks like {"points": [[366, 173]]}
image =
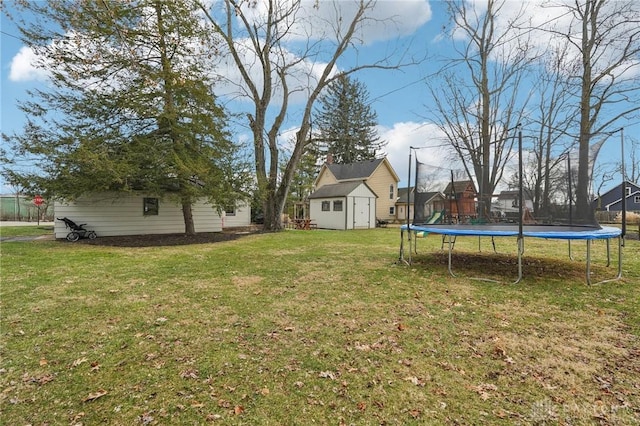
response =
{"points": [[611, 201]]}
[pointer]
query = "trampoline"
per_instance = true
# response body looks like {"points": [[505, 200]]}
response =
{"points": [[558, 212], [559, 232]]}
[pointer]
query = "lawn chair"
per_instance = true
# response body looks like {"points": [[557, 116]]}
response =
{"points": [[77, 231]]}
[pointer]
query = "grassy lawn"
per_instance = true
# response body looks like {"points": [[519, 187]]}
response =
{"points": [[321, 327], [25, 231]]}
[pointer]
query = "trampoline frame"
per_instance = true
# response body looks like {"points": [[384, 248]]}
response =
{"points": [[547, 232]]}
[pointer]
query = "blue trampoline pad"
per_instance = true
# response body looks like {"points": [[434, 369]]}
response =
{"points": [[560, 232]]}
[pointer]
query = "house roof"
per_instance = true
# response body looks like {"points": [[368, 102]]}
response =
{"points": [[335, 190], [360, 170], [428, 196], [459, 186], [508, 194], [402, 195], [512, 194]]}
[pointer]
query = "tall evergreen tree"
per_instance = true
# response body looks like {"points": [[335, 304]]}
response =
{"points": [[130, 105], [305, 176], [345, 123]]}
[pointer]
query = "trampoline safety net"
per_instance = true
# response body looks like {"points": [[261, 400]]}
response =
{"points": [[550, 194]]}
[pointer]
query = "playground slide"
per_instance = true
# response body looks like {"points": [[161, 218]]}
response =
{"points": [[435, 217]]}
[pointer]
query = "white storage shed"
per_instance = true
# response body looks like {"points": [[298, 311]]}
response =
{"points": [[348, 205]]}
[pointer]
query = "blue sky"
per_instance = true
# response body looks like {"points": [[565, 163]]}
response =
{"points": [[399, 97]]}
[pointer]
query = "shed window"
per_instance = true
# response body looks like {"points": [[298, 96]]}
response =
{"points": [[337, 206], [230, 210], [391, 192], [150, 207], [628, 188], [636, 199], [326, 206]]}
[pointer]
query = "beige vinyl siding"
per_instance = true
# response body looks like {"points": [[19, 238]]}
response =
{"points": [[122, 214], [326, 178], [379, 182]]}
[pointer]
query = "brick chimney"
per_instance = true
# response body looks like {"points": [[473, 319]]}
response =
{"points": [[329, 158]]}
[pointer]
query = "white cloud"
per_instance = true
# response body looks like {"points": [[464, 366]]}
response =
{"points": [[23, 67], [327, 19], [427, 137]]}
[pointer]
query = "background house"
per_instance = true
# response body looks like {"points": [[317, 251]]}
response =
{"points": [[405, 201], [611, 200], [114, 214], [429, 203], [379, 176], [507, 202], [345, 205]]}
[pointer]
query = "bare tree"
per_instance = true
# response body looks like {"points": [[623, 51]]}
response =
{"points": [[477, 103], [256, 36], [632, 163], [554, 116], [606, 37]]}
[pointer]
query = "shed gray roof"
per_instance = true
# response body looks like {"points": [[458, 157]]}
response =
{"points": [[337, 190], [358, 170]]}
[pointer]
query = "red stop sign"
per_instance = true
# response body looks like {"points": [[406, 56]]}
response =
{"points": [[37, 200]]}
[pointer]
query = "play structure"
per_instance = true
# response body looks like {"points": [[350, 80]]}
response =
{"points": [[555, 213]]}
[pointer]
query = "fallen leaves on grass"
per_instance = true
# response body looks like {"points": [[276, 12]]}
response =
{"points": [[483, 390], [327, 375], [95, 395], [78, 361], [190, 373], [40, 379]]}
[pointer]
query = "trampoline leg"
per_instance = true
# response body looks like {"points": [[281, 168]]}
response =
{"points": [[608, 252], [618, 276], [570, 254], [493, 243], [401, 258], [520, 252], [589, 262], [450, 249]]}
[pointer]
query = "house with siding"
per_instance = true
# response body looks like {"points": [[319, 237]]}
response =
{"points": [[611, 200], [507, 201], [379, 176], [429, 203], [117, 214]]}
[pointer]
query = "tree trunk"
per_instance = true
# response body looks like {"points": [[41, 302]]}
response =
{"points": [[187, 214]]}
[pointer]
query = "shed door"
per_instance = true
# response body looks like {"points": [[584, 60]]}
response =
{"points": [[361, 212]]}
